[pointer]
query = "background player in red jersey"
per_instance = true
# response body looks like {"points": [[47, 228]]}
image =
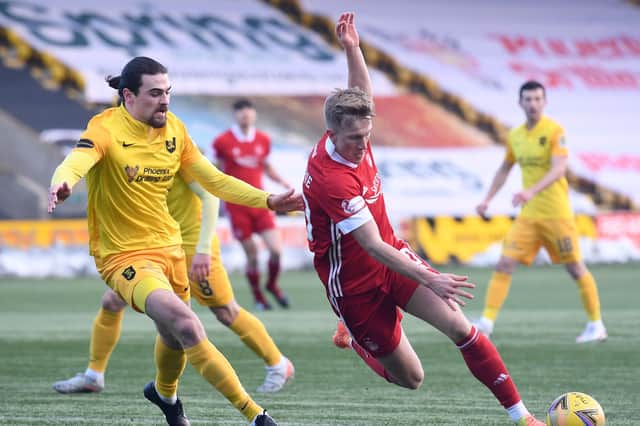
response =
{"points": [[369, 274], [242, 152]]}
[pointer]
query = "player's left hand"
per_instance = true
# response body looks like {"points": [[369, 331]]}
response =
{"points": [[286, 202], [346, 31], [521, 198], [200, 267]]}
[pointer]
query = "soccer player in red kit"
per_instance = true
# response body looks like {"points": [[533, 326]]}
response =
{"points": [[242, 151], [370, 275]]}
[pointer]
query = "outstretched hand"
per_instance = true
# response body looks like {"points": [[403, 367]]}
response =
{"points": [[57, 194], [286, 202], [346, 31], [449, 287]]}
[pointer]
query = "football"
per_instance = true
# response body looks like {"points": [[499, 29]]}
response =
{"points": [[575, 409]]}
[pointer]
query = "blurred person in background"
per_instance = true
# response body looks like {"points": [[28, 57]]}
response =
{"points": [[369, 274], [242, 151], [546, 218]]}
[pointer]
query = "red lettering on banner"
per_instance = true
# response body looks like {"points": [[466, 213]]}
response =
{"points": [[589, 76], [614, 226], [618, 47], [596, 162]]}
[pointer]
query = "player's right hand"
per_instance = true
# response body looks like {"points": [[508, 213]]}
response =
{"points": [[450, 288], [57, 194], [286, 202], [481, 208], [346, 31]]}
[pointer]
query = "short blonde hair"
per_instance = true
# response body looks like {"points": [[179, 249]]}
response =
{"points": [[344, 106]]}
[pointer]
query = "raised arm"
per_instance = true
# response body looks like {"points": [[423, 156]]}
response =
{"points": [[350, 41]]}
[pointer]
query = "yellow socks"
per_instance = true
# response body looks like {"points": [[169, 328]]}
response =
{"points": [[589, 295], [215, 368], [253, 334], [170, 364], [496, 294], [106, 332]]}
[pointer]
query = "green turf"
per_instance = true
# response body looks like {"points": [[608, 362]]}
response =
{"points": [[45, 325]]}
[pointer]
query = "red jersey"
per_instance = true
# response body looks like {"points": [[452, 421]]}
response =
{"points": [[339, 197], [243, 157]]}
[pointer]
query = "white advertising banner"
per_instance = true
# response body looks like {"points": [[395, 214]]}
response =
{"points": [[222, 47], [586, 53], [430, 182]]}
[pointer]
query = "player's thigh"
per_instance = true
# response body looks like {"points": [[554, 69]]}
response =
{"points": [[216, 290], [134, 275], [429, 307], [271, 239], [560, 239], [523, 241], [403, 363], [241, 226]]}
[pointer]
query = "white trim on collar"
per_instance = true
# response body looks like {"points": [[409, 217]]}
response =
{"points": [[240, 136], [335, 156]]}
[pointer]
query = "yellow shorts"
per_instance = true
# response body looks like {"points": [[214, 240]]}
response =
{"points": [[216, 290], [124, 271], [558, 236]]}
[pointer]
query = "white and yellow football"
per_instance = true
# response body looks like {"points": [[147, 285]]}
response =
{"points": [[575, 409]]}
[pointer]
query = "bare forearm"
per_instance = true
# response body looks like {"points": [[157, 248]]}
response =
{"points": [[498, 182], [396, 261], [358, 72], [553, 175]]}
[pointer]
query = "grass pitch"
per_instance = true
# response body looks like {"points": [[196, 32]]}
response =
{"points": [[45, 326]]}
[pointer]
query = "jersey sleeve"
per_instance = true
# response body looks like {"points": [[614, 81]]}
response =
{"points": [[559, 144], [89, 150], [224, 186], [342, 200]]}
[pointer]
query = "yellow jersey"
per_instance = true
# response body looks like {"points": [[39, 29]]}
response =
{"points": [[533, 151], [186, 208], [130, 167]]}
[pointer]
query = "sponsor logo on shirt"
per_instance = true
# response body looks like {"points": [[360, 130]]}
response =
{"points": [[353, 205]]}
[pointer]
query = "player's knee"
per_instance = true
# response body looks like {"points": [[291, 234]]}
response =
{"points": [[413, 379], [112, 302], [188, 329], [226, 314], [506, 265]]}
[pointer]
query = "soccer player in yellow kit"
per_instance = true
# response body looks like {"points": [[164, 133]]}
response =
{"points": [[546, 218], [196, 211], [130, 155]]}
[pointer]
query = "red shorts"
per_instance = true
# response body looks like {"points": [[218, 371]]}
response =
{"points": [[246, 221], [373, 318]]}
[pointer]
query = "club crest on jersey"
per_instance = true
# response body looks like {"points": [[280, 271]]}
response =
{"points": [[353, 205], [171, 145], [131, 172], [542, 140], [129, 273]]}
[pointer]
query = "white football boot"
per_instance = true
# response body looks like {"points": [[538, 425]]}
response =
{"points": [[80, 383], [277, 376], [595, 331]]}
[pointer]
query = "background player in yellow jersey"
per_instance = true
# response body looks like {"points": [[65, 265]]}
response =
{"points": [[196, 212], [130, 155], [546, 218]]}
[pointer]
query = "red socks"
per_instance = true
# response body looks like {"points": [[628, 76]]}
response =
{"points": [[486, 365]]}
